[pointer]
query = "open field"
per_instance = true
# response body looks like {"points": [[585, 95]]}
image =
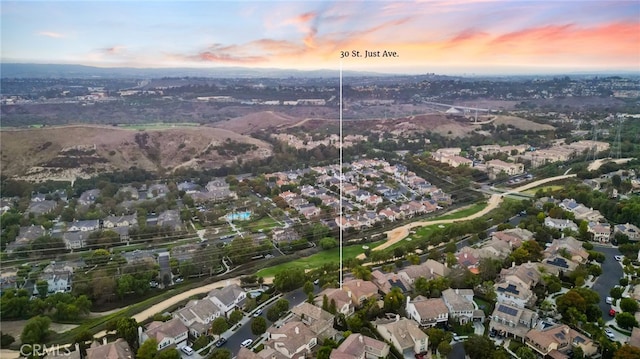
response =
{"points": [[544, 188], [319, 259], [522, 123]]}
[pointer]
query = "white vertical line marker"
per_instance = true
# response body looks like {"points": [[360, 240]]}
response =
{"points": [[341, 175]]}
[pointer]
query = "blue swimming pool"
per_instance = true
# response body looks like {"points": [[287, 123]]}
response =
{"points": [[239, 216]]}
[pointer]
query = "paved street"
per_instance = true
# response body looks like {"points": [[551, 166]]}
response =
{"points": [[234, 340], [611, 274]]}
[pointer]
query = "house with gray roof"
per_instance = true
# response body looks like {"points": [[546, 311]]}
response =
{"points": [[25, 236], [319, 321], [40, 208], [229, 298], [428, 312], [89, 197], [511, 320], [197, 315], [461, 306], [170, 334], [630, 230], [119, 349], [293, 340], [170, 218]]}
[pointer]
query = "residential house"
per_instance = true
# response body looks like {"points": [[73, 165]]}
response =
{"points": [[83, 226], [319, 321], [88, 197], [560, 224], [197, 315], [404, 334], [360, 290], [341, 298], [460, 305], [58, 281], [510, 320], [293, 339], [25, 236], [128, 193], [157, 190], [634, 339], [120, 221], [265, 353], [386, 281], [468, 258], [8, 280], [630, 230], [527, 274], [170, 218], [569, 248], [119, 349], [495, 249], [514, 293], [284, 235], [495, 167], [188, 187], [601, 231], [430, 269], [309, 210], [40, 208], [229, 298], [428, 312], [556, 264], [513, 236], [558, 340], [170, 334], [75, 240], [358, 346]]}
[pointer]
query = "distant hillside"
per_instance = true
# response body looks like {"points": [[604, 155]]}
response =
{"points": [[67, 152], [17, 70], [257, 121]]}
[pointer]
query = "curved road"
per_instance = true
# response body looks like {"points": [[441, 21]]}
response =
{"points": [[397, 234]]}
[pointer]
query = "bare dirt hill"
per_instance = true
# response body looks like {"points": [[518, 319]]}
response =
{"points": [[257, 121], [71, 151], [521, 123]]}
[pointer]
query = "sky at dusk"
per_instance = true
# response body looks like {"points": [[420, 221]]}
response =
{"points": [[451, 37]]}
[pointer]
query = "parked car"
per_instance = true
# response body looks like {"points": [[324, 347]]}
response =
{"points": [[609, 333], [221, 342], [257, 312], [612, 312], [247, 342], [609, 300], [618, 258], [187, 350]]}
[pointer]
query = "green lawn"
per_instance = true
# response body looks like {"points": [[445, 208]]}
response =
{"points": [[464, 212], [264, 223], [316, 260]]}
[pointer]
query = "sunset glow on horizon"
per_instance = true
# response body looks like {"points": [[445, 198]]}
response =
{"points": [[472, 36]]}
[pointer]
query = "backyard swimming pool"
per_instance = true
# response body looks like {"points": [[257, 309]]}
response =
{"points": [[239, 216]]}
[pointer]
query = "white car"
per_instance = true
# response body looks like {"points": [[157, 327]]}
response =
{"points": [[609, 333], [257, 313], [618, 258], [246, 342]]}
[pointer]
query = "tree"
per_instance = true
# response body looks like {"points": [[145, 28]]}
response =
{"points": [[479, 347], [127, 328], [629, 305], [444, 348], [626, 320], [171, 353], [616, 292], [148, 349], [627, 352], [524, 352], [221, 353], [362, 272], [219, 326], [328, 243], [258, 326], [308, 288], [36, 330], [394, 300], [235, 317], [289, 279], [43, 288]]}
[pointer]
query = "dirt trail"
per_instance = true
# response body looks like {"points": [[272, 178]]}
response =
{"points": [[397, 234]]}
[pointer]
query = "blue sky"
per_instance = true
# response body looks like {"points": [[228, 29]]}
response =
{"points": [[430, 36]]}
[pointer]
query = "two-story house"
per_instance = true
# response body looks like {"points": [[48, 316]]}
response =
{"points": [[404, 334], [293, 339], [428, 312], [358, 346], [197, 315], [360, 290], [461, 306], [510, 320], [229, 298], [170, 334], [559, 340]]}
